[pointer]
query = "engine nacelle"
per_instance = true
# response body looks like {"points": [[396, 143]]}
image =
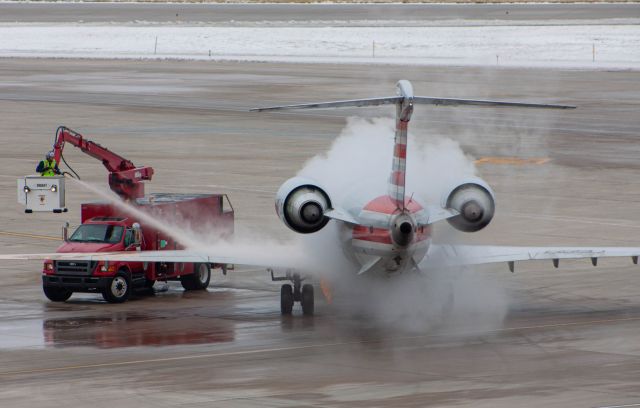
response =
{"points": [[301, 203], [474, 200]]}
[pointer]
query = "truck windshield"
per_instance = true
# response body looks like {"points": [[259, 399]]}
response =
{"points": [[109, 234]]}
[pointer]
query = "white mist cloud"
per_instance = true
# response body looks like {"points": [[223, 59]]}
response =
{"points": [[253, 250], [359, 162]]}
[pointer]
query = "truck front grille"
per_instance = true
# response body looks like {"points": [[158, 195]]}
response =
{"points": [[74, 267]]}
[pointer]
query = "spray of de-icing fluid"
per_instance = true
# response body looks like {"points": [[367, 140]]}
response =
{"points": [[358, 164], [211, 241]]}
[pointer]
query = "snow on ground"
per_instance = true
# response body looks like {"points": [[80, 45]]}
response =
{"points": [[616, 46]]}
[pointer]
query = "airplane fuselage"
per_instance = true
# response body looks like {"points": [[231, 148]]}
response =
{"points": [[389, 238]]}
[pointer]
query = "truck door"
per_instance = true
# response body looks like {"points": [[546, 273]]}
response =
{"points": [[130, 244]]}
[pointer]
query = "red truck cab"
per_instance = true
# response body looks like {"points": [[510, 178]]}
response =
{"points": [[107, 228]]}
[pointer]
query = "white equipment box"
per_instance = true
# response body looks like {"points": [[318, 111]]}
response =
{"points": [[39, 193]]}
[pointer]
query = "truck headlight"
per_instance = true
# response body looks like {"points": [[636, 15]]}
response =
{"points": [[48, 266], [54, 188], [26, 189]]}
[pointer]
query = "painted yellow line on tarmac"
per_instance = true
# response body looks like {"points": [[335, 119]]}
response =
{"points": [[513, 161], [25, 235], [296, 348]]}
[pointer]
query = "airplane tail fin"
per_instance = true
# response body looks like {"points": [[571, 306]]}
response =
{"points": [[404, 101]]}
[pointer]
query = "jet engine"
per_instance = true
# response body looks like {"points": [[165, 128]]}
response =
{"points": [[301, 203], [475, 202]]}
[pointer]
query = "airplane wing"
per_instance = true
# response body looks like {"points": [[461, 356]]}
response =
{"points": [[438, 256], [465, 255], [274, 259]]}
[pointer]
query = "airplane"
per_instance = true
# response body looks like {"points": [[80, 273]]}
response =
{"points": [[386, 234]]}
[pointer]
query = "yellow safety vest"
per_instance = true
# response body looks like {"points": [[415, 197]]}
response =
{"points": [[49, 168]]}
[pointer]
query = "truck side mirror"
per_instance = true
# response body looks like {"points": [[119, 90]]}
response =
{"points": [[65, 232]]}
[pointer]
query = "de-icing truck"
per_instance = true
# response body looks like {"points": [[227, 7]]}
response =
{"points": [[109, 227]]}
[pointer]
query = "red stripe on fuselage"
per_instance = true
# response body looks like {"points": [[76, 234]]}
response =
{"points": [[383, 236], [380, 235], [387, 205], [423, 233], [402, 125]]}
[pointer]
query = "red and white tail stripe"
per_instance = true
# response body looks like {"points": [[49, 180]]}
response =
{"points": [[399, 169], [404, 109]]}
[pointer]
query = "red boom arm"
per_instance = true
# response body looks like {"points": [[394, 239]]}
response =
{"points": [[125, 179]]}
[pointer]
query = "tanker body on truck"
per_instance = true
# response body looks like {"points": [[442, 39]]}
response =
{"points": [[107, 227]]}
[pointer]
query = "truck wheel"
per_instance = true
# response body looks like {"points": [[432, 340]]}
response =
{"points": [[197, 280], [119, 288], [56, 294]]}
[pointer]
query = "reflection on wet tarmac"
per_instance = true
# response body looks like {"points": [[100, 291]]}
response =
{"points": [[133, 330]]}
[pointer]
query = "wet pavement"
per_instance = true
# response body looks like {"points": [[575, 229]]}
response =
{"points": [[562, 337]]}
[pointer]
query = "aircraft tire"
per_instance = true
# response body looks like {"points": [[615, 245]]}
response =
{"points": [[307, 300], [286, 299]]}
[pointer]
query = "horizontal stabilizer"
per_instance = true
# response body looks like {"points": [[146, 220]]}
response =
{"points": [[423, 100], [336, 104], [427, 100]]}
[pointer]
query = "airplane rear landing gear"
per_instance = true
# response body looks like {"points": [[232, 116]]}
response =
{"points": [[286, 299], [296, 293], [306, 299]]}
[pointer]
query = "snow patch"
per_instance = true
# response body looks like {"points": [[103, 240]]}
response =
{"points": [[615, 46]]}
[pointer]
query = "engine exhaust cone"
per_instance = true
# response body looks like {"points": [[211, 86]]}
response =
{"points": [[311, 213], [406, 228], [402, 231], [472, 211]]}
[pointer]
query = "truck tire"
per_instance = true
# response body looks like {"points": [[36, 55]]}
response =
{"points": [[119, 288], [56, 294], [199, 279]]}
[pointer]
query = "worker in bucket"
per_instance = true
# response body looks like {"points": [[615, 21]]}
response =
{"points": [[48, 167]]}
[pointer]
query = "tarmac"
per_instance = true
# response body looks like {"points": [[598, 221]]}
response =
{"points": [[195, 13], [564, 337]]}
